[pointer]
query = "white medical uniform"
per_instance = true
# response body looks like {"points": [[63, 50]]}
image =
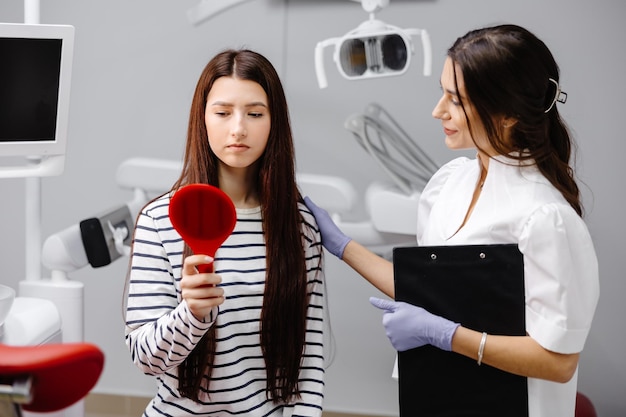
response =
{"points": [[519, 205]]}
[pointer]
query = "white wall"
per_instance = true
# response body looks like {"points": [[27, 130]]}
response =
{"points": [[136, 64]]}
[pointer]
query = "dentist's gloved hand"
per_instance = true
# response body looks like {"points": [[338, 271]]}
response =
{"points": [[333, 239], [409, 326]]}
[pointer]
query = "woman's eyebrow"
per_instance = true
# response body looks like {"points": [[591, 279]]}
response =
{"points": [[452, 92], [227, 104], [256, 104]]}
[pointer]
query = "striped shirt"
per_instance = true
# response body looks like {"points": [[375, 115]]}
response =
{"points": [[161, 331]]}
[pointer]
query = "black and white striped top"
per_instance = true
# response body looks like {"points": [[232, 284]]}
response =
{"points": [[161, 331]]}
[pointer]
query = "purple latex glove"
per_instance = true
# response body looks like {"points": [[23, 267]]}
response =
{"points": [[409, 326], [333, 239]]}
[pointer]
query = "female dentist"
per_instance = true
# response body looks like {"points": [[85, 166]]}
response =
{"points": [[500, 88]]}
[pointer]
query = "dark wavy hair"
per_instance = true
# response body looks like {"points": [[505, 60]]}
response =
{"points": [[507, 70], [285, 301]]}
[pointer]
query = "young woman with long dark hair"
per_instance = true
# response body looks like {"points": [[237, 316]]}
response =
{"points": [[248, 338]]}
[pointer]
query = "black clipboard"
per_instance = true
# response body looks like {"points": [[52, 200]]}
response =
{"points": [[481, 287]]}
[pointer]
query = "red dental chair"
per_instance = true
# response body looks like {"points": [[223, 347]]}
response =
{"points": [[46, 378]]}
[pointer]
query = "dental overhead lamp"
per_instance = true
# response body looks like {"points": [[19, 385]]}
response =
{"points": [[374, 49]]}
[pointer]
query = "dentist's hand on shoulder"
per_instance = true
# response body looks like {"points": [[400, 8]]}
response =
{"points": [[409, 326], [333, 239]]}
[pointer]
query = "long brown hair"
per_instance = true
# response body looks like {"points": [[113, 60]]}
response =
{"points": [[507, 71], [285, 301]]}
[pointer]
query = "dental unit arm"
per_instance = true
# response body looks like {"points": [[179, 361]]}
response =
{"points": [[391, 206]]}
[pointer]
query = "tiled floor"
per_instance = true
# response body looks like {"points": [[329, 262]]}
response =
{"points": [[101, 405]]}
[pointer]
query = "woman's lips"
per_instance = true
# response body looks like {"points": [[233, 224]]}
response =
{"points": [[448, 132], [237, 148]]}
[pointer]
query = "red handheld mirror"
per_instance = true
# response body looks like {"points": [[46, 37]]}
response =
{"points": [[204, 216]]}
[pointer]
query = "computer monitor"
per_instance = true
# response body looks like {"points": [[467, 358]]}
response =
{"points": [[35, 78]]}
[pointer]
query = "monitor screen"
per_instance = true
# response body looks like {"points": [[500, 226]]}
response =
{"points": [[35, 76]]}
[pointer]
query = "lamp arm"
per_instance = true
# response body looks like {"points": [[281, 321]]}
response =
{"points": [[372, 6], [426, 48], [319, 61], [428, 53]]}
